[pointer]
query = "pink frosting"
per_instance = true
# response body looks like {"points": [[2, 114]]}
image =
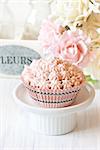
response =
{"points": [[71, 45], [52, 74]]}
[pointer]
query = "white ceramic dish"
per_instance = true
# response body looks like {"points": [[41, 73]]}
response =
{"points": [[53, 121]]}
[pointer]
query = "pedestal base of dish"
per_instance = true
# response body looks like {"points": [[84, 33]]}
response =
{"points": [[52, 125], [53, 121]]}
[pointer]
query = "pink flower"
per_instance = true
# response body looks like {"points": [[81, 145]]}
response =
{"points": [[70, 45], [49, 33], [74, 47]]}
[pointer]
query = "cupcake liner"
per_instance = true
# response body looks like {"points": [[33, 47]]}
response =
{"points": [[52, 98]]}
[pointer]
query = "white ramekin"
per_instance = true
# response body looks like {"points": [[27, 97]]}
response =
{"points": [[53, 121]]}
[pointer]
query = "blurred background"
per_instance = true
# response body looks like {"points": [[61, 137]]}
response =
{"points": [[21, 19]]}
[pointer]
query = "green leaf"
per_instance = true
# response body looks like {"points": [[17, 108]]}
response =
{"points": [[90, 79]]}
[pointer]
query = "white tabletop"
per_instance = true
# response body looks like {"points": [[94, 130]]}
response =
{"points": [[17, 134]]}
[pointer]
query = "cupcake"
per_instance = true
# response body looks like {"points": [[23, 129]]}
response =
{"points": [[52, 83]]}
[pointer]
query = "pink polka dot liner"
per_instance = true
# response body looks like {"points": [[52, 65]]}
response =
{"points": [[52, 98]]}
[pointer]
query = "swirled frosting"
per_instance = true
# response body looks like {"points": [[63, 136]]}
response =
{"points": [[52, 74]]}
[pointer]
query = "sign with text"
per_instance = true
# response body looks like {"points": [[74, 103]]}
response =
{"points": [[14, 57]]}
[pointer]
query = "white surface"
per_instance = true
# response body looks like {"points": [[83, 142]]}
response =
{"points": [[17, 134], [53, 121]]}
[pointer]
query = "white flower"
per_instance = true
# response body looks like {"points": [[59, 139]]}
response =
{"points": [[69, 10]]}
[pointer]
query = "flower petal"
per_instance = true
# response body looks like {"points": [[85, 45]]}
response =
{"points": [[82, 47]]}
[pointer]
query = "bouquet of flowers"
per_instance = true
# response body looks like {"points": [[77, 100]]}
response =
{"points": [[72, 45], [77, 41]]}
